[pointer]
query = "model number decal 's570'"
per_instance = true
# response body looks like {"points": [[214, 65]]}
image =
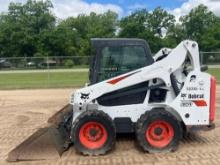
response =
{"points": [[188, 103]]}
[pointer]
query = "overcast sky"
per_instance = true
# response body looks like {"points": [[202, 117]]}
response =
{"points": [[65, 8]]}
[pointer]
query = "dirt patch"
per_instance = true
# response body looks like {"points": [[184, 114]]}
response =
{"points": [[23, 111], [22, 119]]}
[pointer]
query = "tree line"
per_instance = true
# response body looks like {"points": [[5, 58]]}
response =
{"points": [[31, 29]]}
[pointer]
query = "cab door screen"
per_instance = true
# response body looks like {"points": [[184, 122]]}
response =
{"points": [[120, 59]]}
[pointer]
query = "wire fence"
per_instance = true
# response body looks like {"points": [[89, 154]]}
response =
{"points": [[64, 62], [210, 58], [27, 63], [43, 72], [56, 72]]}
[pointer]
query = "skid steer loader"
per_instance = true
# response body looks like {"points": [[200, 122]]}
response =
{"points": [[158, 98]]}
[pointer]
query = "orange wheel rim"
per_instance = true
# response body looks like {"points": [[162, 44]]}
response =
{"points": [[159, 134], [93, 135]]}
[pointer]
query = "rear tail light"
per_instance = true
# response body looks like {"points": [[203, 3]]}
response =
{"points": [[212, 99]]}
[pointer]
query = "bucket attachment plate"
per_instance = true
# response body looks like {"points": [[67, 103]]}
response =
{"points": [[60, 116], [45, 143]]}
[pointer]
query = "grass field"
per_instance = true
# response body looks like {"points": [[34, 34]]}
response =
{"points": [[54, 79], [215, 72], [42, 80]]}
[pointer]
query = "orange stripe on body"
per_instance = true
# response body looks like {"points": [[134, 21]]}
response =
{"points": [[116, 80], [200, 103]]}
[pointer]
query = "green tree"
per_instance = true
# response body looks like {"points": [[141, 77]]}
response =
{"points": [[197, 22], [160, 21], [134, 24], [91, 26], [149, 26], [30, 29], [211, 39], [174, 35], [58, 42], [22, 26]]}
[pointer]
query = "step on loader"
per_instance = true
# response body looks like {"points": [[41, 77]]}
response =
{"points": [[158, 98]]}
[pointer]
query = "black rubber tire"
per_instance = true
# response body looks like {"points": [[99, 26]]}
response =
{"points": [[146, 119], [94, 116], [185, 131]]}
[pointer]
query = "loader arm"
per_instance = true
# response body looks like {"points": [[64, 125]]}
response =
{"points": [[161, 54]]}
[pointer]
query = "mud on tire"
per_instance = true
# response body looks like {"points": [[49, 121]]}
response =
{"points": [[93, 133], [158, 131]]}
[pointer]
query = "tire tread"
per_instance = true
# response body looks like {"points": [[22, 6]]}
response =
{"points": [[139, 131], [88, 114]]}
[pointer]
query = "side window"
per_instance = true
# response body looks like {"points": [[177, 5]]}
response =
{"points": [[120, 59]]}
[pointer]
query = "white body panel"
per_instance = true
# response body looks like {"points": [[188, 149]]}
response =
{"points": [[194, 90], [183, 107]]}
